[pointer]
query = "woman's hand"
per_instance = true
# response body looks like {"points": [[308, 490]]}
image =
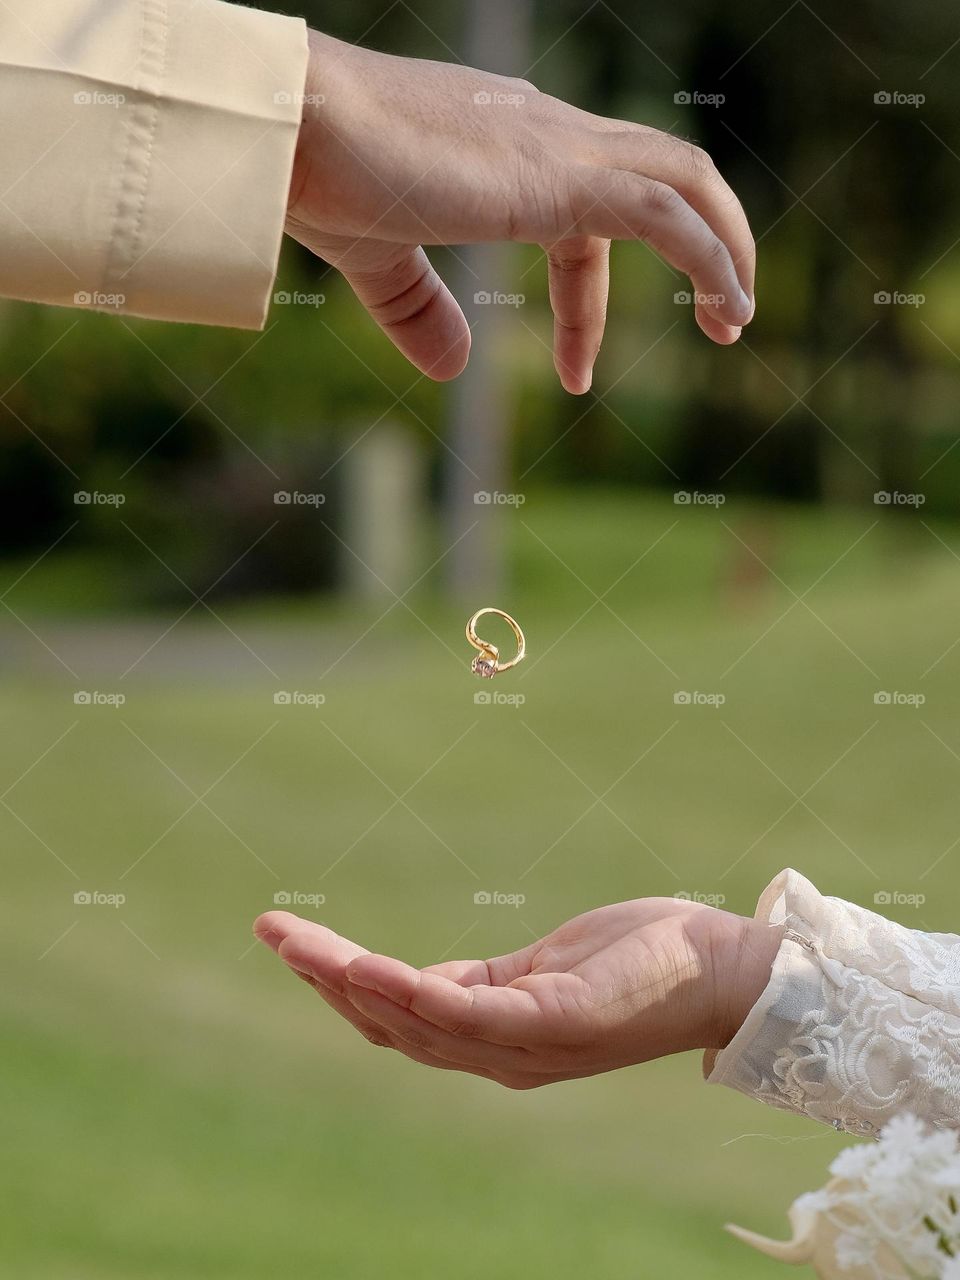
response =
{"points": [[396, 153], [616, 986]]}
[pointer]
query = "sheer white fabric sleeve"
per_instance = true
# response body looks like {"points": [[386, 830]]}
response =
{"points": [[860, 1019]]}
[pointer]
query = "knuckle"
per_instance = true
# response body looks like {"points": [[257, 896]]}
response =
{"points": [[699, 162], [717, 254], [375, 1037], [569, 259], [417, 1040], [661, 201], [466, 1030]]}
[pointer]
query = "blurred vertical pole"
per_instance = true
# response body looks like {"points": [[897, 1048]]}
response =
{"points": [[498, 39]]}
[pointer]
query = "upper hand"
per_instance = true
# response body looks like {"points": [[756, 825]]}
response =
{"points": [[619, 985], [396, 153]]}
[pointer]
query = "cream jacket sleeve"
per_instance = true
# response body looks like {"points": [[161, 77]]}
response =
{"points": [[860, 1019], [146, 151]]}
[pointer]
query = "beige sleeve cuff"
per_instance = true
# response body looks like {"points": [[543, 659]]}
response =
{"points": [[147, 150]]}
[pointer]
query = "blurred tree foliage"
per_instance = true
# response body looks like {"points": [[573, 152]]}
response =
{"points": [[832, 396]]}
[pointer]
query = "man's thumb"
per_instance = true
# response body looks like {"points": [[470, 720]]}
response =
{"points": [[416, 311]]}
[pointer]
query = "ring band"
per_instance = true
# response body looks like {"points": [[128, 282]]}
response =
{"points": [[487, 662]]}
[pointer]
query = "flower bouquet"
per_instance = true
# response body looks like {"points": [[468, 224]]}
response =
{"points": [[890, 1211]]}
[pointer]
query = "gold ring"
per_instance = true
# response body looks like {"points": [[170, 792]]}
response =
{"points": [[487, 662]]}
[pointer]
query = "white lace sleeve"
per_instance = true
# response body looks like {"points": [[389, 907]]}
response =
{"points": [[860, 1019]]}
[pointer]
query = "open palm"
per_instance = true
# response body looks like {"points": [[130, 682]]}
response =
{"points": [[616, 986]]}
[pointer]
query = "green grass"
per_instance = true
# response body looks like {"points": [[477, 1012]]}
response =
{"points": [[175, 1104]]}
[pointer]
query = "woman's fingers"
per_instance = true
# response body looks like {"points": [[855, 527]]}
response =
{"points": [[579, 270], [319, 952], [369, 1030], [310, 949], [378, 1035], [273, 926], [409, 1031], [467, 972], [501, 1015], [496, 972]]}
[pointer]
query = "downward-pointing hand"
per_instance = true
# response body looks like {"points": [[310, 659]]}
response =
{"points": [[396, 153]]}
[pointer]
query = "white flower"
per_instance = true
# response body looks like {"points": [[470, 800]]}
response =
{"points": [[891, 1210]]}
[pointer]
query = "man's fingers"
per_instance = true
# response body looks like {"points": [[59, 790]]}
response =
{"points": [[579, 270], [723, 334], [501, 1015], [621, 206], [691, 172], [415, 309]]}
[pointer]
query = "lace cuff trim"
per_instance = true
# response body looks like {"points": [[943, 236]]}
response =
{"points": [[860, 1018]]}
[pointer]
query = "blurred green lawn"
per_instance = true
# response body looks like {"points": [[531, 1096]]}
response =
{"points": [[175, 1104]]}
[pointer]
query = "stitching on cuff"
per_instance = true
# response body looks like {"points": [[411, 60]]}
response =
{"points": [[124, 250]]}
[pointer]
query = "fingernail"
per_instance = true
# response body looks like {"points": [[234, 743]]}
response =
{"points": [[749, 305], [736, 331]]}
